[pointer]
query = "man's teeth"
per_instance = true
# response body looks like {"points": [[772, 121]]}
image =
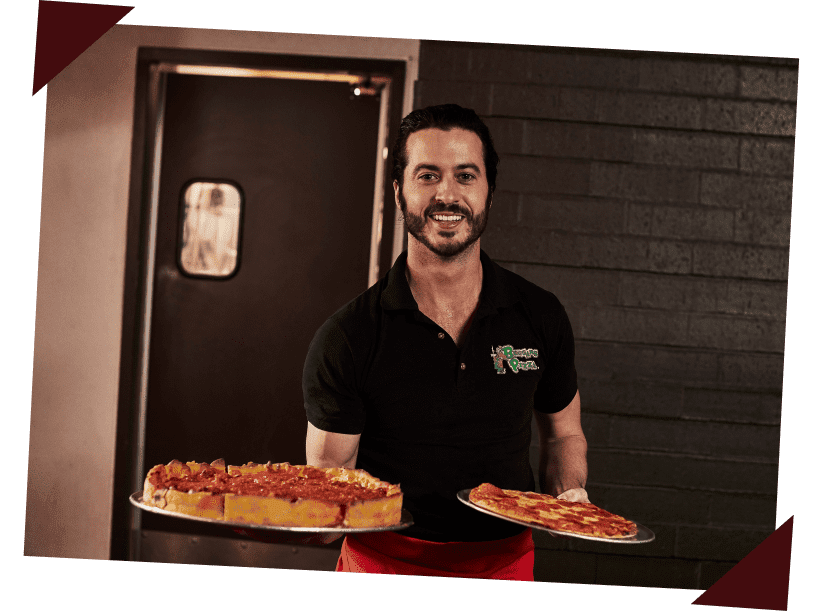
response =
{"points": [[447, 217]]}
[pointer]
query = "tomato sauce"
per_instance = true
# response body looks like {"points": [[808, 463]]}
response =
{"points": [[292, 482]]}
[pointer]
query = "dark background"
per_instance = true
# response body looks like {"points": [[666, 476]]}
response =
{"points": [[651, 192]]}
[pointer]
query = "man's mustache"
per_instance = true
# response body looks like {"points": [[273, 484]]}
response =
{"points": [[451, 208]]}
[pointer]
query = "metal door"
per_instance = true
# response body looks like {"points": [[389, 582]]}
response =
{"points": [[225, 353]]}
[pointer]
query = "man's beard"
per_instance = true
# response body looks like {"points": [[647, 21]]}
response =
{"points": [[415, 225]]}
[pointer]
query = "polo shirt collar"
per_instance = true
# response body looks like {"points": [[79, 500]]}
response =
{"points": [[397, 294], [497, 289]]}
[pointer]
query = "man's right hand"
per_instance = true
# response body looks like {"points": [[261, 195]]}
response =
{"points": [[287, 537]]}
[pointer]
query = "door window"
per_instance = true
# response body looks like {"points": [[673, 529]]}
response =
{"points": [[211, 214]]}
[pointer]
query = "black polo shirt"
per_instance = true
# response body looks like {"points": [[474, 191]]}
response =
{"points": [[434, 418]]}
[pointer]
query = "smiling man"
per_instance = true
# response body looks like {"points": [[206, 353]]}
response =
{"points": [[430, 378]]}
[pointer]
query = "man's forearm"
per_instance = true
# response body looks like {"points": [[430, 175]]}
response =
{"points": [[325, 449], [563, 464]]}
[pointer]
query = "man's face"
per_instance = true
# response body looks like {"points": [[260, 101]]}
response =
{"points": [[216, 200], [444, 198]]}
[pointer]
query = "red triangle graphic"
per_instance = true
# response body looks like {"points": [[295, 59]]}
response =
{"points": [[65, 30], [759, 581]]}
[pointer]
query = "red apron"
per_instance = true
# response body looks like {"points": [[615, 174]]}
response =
{"points": [[392, 553]]}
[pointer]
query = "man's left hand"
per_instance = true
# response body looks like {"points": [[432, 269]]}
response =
{"points": [[576, 495]]}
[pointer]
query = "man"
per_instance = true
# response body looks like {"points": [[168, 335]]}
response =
{"points": [[429, 378]]}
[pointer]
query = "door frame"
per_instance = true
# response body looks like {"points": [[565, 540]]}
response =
{"points": [[152, 64]]}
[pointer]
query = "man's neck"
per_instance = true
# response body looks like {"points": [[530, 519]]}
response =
{"points": [[436, 280]]}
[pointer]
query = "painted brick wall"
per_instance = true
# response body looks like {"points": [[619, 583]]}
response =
{"points": [[651, 193]]}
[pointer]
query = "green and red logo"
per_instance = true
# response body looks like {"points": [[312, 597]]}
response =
{"points": [[512, 356]]}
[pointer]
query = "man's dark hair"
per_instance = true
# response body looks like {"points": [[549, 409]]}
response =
{"points": [[444, 117]]}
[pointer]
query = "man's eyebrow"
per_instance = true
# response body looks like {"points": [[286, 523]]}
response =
{"points": [[426, 166], [434, 168]]}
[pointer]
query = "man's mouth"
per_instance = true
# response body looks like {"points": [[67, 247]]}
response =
{"points": [[447, 221]]}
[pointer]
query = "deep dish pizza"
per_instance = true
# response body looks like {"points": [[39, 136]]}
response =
{"points": [[549, 512], [274, 494]]}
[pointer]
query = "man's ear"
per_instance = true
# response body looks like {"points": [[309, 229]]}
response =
{"points": [[396, 194]]}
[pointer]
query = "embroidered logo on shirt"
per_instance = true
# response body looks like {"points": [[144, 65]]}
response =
{"points": [[512, 356]]}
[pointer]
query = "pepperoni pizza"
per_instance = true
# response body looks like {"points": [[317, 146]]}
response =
{"points": [[549, 512]]}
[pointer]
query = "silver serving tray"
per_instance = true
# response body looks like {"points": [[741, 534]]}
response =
{"points": [[137, 499], [643, 535]]}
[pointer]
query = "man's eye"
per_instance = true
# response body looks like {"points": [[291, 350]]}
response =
{"points": [[466, 177], [428, 176]]}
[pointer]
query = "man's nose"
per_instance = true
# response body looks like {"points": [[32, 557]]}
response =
{"points": [[447, 191]]}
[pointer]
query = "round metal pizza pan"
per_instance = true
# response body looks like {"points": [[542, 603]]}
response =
{"points": [[136, 499], [643, 535]]}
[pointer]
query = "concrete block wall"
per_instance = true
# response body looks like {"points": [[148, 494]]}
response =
{"points": [[651, 192]]}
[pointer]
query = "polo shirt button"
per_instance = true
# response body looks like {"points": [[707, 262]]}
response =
{"points": [[441, 335], [462, 366]]}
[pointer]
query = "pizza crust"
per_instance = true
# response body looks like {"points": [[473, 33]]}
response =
{"points": [[210, 491], [198, 504], [374, 512], [280, 512]]}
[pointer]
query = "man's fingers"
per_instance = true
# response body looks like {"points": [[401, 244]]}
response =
{"points": [[575, 495]]}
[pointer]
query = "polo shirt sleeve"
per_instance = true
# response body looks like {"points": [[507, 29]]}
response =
{"points": [[558, 384], [329, 383]]}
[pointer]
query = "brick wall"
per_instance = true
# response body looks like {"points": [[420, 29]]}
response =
{"points": [[651, 192]]}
